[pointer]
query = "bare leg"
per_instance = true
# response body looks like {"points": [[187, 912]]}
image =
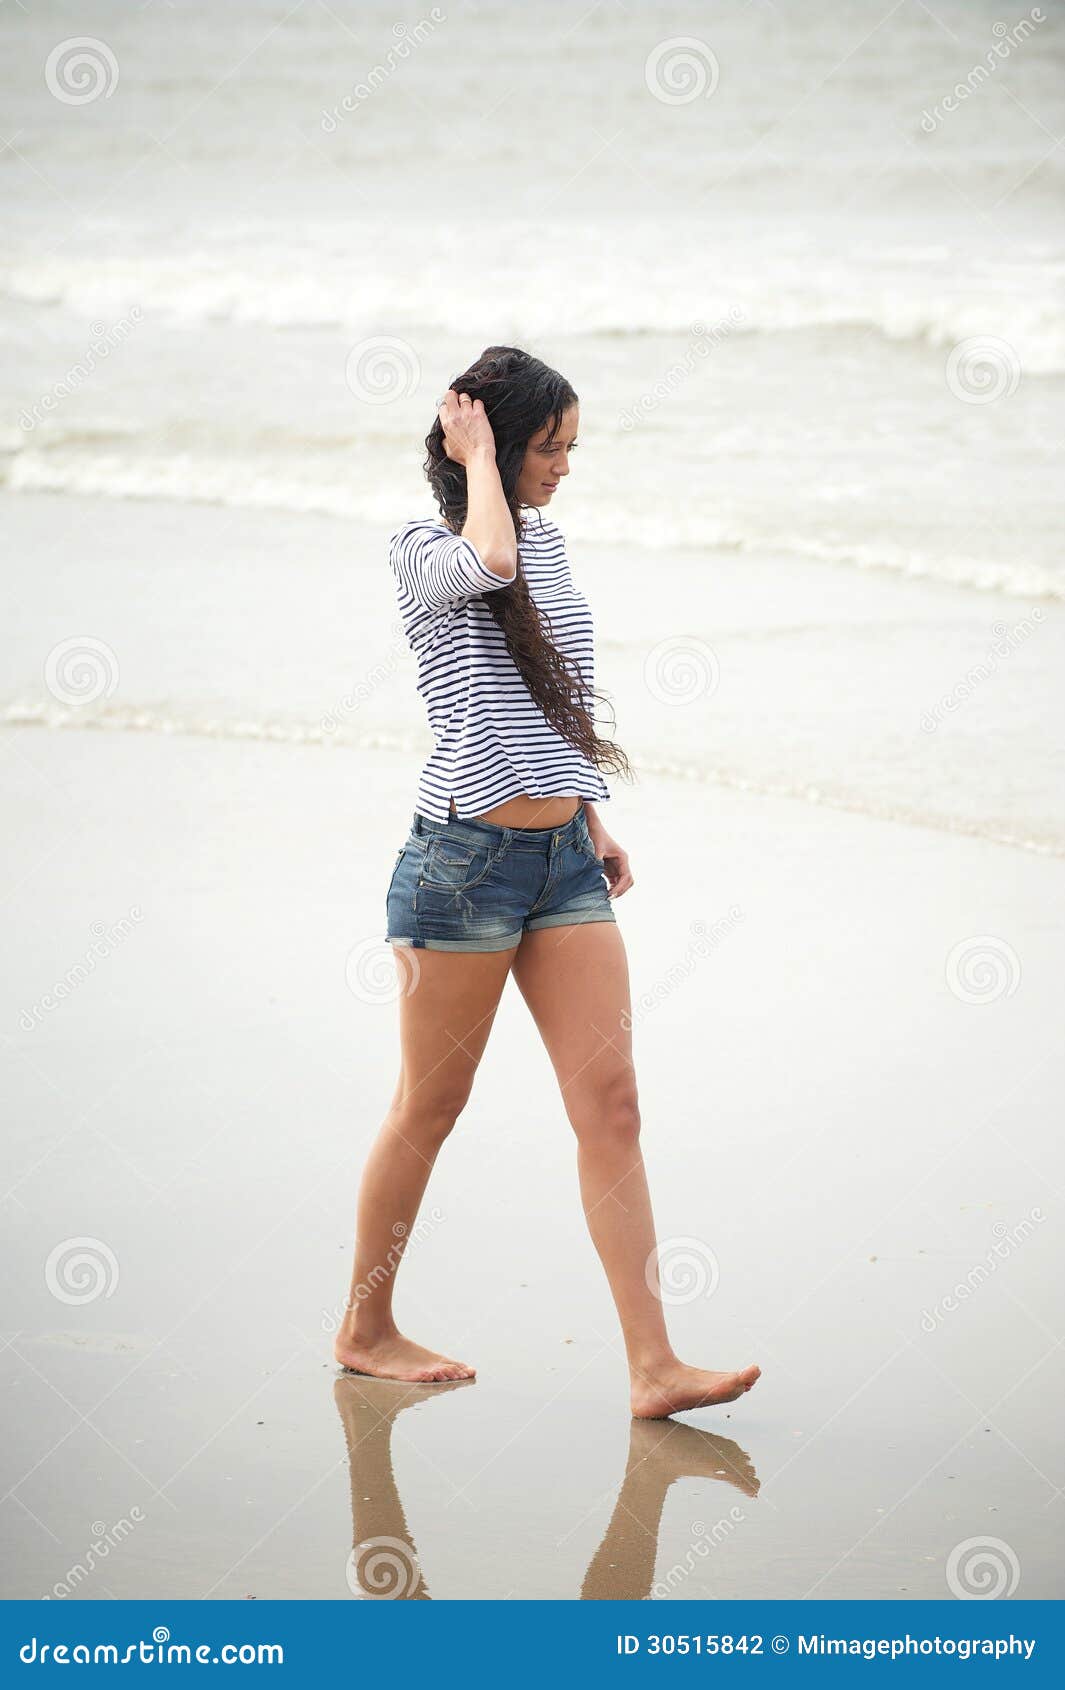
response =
{"points": [[444, 1025], [575, 982]]}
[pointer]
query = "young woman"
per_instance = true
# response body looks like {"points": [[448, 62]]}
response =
{"points": [[503, 870]]}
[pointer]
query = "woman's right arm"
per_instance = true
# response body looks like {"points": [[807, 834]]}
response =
{"points": [[489, 526]]}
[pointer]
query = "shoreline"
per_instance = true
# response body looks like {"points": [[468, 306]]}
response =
{"points": [[294, 734], [850, 690], [977, 578]]}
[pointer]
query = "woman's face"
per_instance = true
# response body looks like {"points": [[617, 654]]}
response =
{"points": [[545, 464]]}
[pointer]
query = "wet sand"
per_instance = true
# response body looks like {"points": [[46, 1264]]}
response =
{"points": [[846, 1126]]}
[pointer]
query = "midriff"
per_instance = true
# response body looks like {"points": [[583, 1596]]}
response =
{"points": [[529, 812]]}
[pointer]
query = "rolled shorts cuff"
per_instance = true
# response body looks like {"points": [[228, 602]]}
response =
{"points": [[505, 942], [570, 918]]}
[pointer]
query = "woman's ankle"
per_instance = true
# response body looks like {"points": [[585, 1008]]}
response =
{"points": [[365, 1329], [650, 1362]]}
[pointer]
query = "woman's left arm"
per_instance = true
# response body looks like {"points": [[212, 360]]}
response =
{"points": [[615, 860]]}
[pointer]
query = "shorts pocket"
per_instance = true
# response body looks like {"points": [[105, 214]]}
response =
{"points": [[452, 865], [412, 847], [587, 849], [400, 854]]}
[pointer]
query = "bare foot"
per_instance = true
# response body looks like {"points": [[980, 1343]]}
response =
{"points": [[397, 1357], [673, 1388]]}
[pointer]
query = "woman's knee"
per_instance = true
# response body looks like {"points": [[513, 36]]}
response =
{"points": [[425, 1118], [609, 1118]]}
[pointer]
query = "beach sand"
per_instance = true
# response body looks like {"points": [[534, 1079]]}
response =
{"points": [[816, 513], [841, 1127]]}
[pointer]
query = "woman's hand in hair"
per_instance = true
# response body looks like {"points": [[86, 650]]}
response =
{"points": [[489, 526], [467, 431]]}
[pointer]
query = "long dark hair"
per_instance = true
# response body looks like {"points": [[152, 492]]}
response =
{"points": [[521, 396]]}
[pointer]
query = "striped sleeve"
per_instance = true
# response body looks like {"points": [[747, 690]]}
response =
{"points": [[438, 568]]}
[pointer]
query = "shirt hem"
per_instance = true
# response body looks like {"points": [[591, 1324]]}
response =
{"points": [[440, 813]]}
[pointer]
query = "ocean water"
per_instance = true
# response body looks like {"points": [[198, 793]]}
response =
{"points": [[812, 300]]}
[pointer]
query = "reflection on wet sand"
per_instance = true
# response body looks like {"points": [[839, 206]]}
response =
{"points": [[660, 1452], [384, 1561]]}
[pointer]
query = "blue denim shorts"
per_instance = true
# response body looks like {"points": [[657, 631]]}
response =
{"points": [[472, 886]]}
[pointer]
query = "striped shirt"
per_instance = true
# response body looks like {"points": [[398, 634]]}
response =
{"points": [[493, 741]]}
